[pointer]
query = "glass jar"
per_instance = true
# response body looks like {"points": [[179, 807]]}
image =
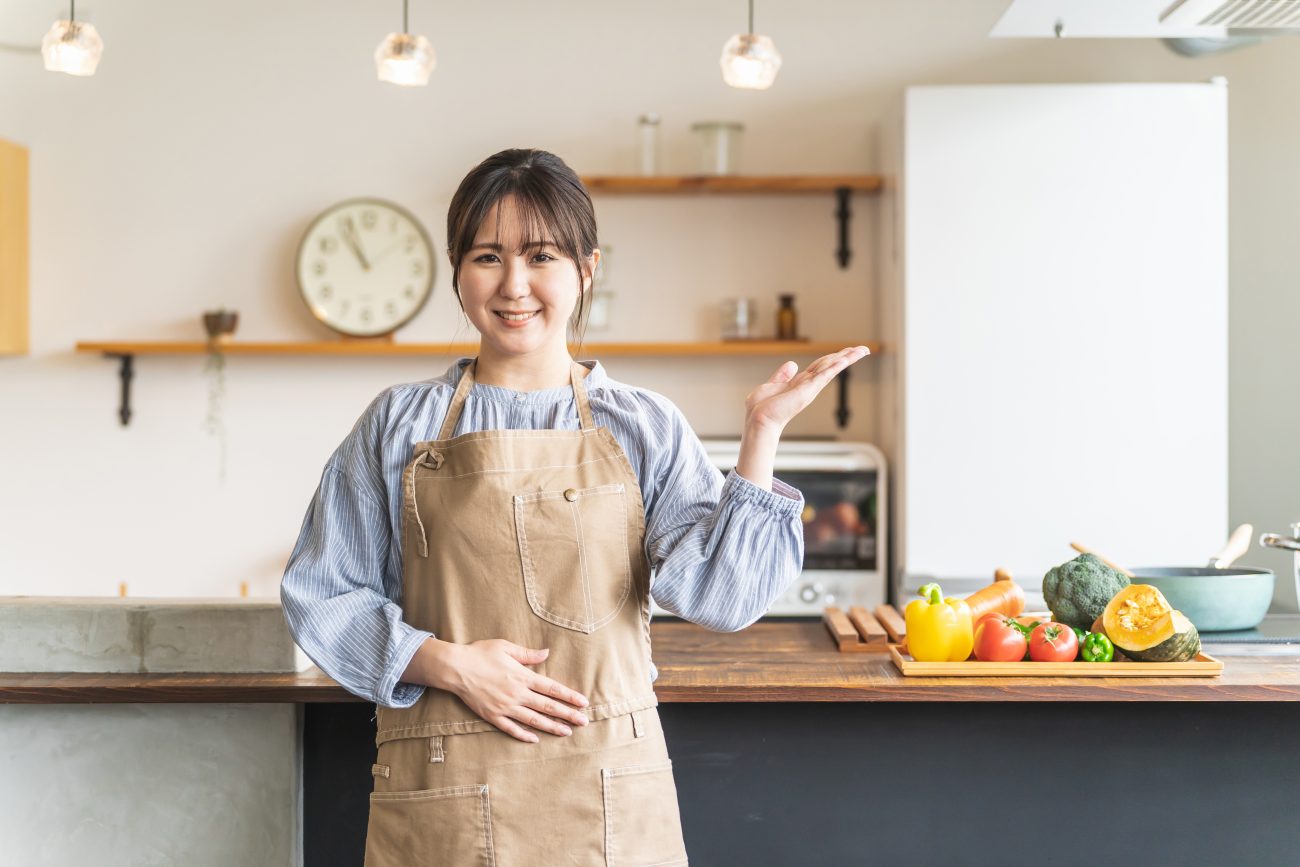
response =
{"points": [[599, 313], [647, 144], [601, 298], [719, 145], [739, 318]]}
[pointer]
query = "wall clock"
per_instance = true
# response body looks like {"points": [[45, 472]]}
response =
{"points": [[365, 267]]}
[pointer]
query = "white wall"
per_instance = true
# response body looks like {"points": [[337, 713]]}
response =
{"points": [[181, 176]]}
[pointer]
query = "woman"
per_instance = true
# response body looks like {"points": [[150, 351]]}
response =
{"points": [[526, 498]]}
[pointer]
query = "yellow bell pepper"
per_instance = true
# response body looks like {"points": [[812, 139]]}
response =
{"points": [[938, 629]]}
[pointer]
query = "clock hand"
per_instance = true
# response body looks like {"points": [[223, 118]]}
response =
{"points": [[350, 236], [384, 255], [347, 239]]}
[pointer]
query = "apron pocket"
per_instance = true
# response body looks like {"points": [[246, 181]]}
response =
{"points": [[451, 827], [573, 548], [642, 823]]}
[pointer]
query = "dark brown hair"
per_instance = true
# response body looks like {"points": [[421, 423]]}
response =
{"points": [[553, 206]]}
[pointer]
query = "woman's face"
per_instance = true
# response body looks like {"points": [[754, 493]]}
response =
{"points": [[519, 300]]}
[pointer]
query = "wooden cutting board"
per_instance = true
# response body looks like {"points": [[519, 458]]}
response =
{"points": [[1203, 665], [861, 631]]}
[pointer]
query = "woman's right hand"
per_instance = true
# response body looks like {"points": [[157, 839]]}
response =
{"points": [[492, 677]]}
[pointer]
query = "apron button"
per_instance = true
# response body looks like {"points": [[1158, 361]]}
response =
{"points": [[570, 495]]}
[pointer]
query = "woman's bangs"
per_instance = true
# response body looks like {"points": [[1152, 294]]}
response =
{"points": [[541, 223]]}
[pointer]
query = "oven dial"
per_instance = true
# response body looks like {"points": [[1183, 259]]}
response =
{"points": [[809, 593]]}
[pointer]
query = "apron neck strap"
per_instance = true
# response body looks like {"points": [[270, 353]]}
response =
{"points": [[576, 373], [466, 384], [458, 401]]}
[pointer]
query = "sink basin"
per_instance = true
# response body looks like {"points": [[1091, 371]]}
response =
{"points": [[136, 635]]}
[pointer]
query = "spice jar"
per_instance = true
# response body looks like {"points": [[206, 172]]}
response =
{"points": [[787, 319]]}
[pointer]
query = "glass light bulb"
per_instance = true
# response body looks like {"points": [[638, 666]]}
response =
{"points": [[73, 47], [750, 61], [405, 59]]}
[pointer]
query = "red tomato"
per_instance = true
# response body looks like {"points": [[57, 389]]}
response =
{"points": [[1053, 642], [997, 640]]}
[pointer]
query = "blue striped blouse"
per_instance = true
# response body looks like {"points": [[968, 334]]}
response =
{"points": [[722, 550]]}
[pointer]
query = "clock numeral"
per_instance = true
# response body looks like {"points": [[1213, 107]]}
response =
{"points": [[392, 225], [326, 292], [343, 307], [417, 268], [409, 246], [365, 315], [319, 267], [368, 219], [328, 244], [409, 291], [391, 309]]}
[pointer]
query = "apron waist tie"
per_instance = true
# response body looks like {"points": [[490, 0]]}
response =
{"points": [[431, 458]]}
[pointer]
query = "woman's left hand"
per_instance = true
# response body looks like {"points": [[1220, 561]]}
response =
{"points": [[781, 398]]}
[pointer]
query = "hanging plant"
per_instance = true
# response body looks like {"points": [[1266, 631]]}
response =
{"points": [[220, 325]]}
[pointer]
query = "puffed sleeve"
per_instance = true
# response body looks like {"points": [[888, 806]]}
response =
{"points": [[340, 598], [723, 550]]}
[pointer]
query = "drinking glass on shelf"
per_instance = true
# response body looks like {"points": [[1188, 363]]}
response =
{"points": [[719, 145], [647, 144], [739, 318]]}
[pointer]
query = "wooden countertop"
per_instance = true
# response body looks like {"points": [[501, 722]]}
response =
{"points": [[778, 661]]}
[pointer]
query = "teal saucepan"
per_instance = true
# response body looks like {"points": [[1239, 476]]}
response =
{"points": [[1216, 598]]}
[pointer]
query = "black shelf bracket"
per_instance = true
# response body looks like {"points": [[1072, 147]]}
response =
{"points": [[842, 401], [842, 215], [125, 372]]}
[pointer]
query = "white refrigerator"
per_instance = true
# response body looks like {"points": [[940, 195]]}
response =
{"points": [[1055, 312]]}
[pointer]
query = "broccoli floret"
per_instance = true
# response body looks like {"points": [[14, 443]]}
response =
{"points": [[1077, 591]]}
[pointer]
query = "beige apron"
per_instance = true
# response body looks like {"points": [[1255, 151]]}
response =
{"points": [[537, 537]]}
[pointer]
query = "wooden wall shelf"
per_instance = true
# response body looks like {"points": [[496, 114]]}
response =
{"points": [[758, 184], [843, 187], [385, 347], [126, 351]]}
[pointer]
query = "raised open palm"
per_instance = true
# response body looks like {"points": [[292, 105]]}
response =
{"points": [[789, 390]]}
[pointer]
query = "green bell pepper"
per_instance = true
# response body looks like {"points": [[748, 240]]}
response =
{"points": [[1097, 648]]}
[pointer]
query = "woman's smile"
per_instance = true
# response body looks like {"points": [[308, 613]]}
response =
{"points": [[517, 320]]}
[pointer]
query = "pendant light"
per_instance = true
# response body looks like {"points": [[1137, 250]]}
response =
{"points": [[750, 61], [405, 59], [72, 46]]}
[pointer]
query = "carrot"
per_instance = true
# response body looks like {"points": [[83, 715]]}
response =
{"points": [[1003, 596]]}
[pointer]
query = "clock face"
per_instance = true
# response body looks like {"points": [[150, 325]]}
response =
{"points": [[365, 267]]}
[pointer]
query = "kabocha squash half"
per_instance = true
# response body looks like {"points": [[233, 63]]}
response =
{"points": [[1141, 623]]}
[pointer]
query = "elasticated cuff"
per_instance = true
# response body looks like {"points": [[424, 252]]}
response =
{"points": [[783, 500], [392, 693]]}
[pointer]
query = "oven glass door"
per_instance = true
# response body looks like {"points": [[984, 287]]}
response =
{"points": [[839, 517]]}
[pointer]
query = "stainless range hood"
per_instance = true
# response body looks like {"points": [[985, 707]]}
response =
{"points": [[1158, 19]]}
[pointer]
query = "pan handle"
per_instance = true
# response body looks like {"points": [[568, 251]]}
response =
{"points": [[1238, 543], [1274, 540]]}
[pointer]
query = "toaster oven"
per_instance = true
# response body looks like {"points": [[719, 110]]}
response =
{"points": [[844, 521]]}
